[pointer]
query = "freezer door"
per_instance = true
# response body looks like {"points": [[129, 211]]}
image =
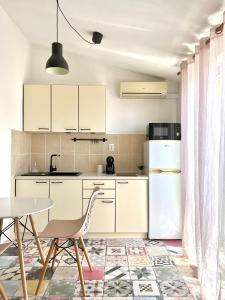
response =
{"points": [[165, 215], [164, 155]]}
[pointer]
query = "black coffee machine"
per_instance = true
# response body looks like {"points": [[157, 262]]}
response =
{"points": [[110, 168]]}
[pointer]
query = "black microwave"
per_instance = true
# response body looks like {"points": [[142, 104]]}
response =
{"points": [[163, 131]]}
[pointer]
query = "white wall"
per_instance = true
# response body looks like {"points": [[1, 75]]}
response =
{"points": [[123, 115], [14, 54]]}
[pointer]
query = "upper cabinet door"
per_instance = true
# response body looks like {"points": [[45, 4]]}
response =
{"points": [[37, 107], [64, 108], [92, 109]]}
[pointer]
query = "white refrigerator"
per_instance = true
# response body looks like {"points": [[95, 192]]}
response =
{"points": [[162, 164]]}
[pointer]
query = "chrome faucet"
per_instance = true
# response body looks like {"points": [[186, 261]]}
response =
{"points": [[51, 168]]}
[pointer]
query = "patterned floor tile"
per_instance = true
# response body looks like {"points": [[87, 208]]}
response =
{"points": [[167, 273], [97, 273], [117, 298], [87, 298], [96, 250], [178, 298], [136, 251], [146, 288], [96, 260], [11, 286], [64, 288], [174, 288], [65, 273], [31, 288], [164, 260], [136, 260], [96, 242], [11, 251], [149, 298], [181, 261], [116, 251], [135, 243], [12, 273], [117, 273], [116, 243], [142, 273], [35, 272], [7, 261], [93, 288], [118, 288], [156, 251], [175, 251], [116, 260], [67, 261], [157, 243]]}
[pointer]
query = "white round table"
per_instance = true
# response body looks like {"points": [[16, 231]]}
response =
{"points": [[15, 208]]}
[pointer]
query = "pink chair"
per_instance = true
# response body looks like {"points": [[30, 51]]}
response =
{"points": [[71, 230], [3, 247]]}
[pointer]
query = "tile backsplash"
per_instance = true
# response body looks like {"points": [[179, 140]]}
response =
{"points": [[84, 156], [33, 150]]}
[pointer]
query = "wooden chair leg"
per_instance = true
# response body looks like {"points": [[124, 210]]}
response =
{"points": [[86, 253], [2, 293], [37, 239], [45, 266], [79, 268], [54, 254]]}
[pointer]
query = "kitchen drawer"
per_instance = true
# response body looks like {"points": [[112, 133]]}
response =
{"points": [[102, 194], [101, 208], [103, 184]]}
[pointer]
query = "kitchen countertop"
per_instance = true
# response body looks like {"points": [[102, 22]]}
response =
{"points": [[86, 176]]}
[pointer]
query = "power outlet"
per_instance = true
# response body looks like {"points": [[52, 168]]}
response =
{"points": [[111, 147]]}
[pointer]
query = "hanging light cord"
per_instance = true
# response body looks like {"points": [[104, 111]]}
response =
{"points": [[71, 26], [57, 21]]}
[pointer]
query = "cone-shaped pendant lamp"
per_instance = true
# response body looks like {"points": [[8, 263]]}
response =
{"points": [[56, 64]]}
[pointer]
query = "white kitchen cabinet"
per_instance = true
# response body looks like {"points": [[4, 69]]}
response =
{"points": [[34, 188], [131, 206], [103, 215], [37, 107], [64, 108], [102, 184], [67, 197], [92, 109]]}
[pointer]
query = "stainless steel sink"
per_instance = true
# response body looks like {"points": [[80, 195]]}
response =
{"points": [[51, 174]]}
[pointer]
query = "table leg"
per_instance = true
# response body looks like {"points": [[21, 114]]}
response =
{"points": [[37, 239], [21, 261]]}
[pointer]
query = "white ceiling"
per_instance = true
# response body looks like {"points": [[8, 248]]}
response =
{"points": [[146, 36]]}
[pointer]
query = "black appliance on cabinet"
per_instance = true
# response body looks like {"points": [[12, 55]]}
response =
{"points": [[110, 168], [163, 131]]}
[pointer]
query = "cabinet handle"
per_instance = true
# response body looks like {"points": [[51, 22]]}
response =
{"points": [[122, 182], [56, 182], [43, 128], [40, 181], [101, 193], [70, 129], [98, 184], [107, 201], [85, 129]]}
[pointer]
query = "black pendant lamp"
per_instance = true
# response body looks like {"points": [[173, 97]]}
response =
{"points": [[56, 64]]}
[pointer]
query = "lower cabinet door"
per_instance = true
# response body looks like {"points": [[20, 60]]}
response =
{"points": [[102, 216], [34, 188], [67, 197], [131, 206]]}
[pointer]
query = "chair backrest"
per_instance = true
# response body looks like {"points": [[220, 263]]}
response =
{"points": [[87, 216]]}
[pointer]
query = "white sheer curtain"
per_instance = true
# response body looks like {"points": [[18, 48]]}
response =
{"points": [[203, 123]]}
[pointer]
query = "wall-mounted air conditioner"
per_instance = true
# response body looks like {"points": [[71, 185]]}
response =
{"points": [[143, 90]]}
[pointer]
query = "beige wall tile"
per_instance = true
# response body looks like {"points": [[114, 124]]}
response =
{"points": [[112, 139], [82, 147], [40, 162], [67, 145], [126, 163], [97, 160], [138, 143], [67, 163], [126, 144], [97, 148], [82, 163], [38, 143], [53, 143]]}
